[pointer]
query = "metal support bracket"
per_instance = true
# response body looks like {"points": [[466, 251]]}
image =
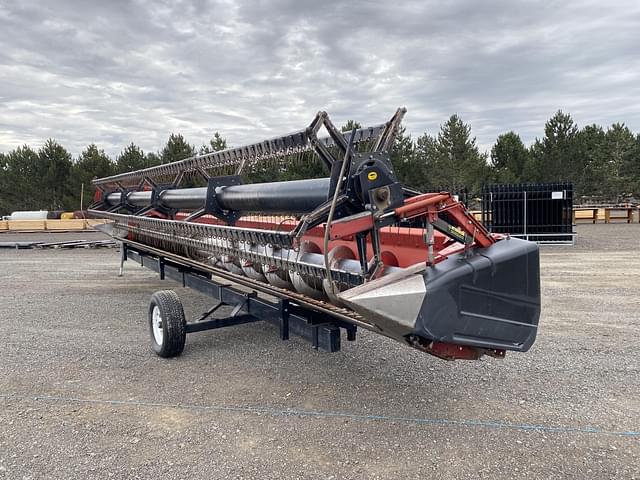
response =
{"points": [[284, 319], [234, 318], [155, 196], [124, 203], [123, 258], [211, 206]]}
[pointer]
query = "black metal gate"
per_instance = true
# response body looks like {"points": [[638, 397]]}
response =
{"points": [[540, 212]]}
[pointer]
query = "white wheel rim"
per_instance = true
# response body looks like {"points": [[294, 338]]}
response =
{"points": [[156, 325]]}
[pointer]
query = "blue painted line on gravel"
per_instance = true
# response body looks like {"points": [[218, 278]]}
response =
{"points": [[320, 414]]}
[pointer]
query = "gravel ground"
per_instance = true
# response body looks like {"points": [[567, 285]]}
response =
{"points": [[82, 395]]}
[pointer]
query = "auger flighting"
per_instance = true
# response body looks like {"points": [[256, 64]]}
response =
{"points": [[358, 245]]}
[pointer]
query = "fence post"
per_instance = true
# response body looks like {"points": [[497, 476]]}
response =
{"points": [[526, 236]]}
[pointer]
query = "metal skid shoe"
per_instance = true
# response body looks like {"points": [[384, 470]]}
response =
{"points": [[168, 326]]}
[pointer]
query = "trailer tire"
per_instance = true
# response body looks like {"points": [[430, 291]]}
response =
{"points": [[167, 324]]}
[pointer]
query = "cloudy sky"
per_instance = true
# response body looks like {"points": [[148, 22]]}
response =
{"points": [[112, 72]]}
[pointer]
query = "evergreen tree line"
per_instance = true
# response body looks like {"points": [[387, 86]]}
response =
{"points": [[50, 179], [601, 163], [604, 165]]}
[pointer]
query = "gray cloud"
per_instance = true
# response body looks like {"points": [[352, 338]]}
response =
{"points": [[116, 72]]}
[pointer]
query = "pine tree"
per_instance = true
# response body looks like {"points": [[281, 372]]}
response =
{"points": [[458, 164], [424, 163], [621, 152], [631, 170], [350, 125], [177, 148], [132, 158], [55, 162], [556, 157], [216, 144], [22, 182], [592, 150], [509, 157], [403, 160], [4, 187], [152, 159], [92, 163]]}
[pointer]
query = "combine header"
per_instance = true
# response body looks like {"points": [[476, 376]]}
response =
{"points": [[354, 249]]}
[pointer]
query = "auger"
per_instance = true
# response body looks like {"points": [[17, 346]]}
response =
{"points": [[354, 249]]}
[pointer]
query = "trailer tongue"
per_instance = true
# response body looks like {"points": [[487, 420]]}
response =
{"points": [[355, 249]]}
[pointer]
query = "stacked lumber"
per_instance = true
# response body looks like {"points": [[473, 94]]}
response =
{"points": [[28, 225], [72, 224], [48, 225]]}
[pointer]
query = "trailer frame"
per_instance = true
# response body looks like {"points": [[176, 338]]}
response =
{"points": [[321, 330]]}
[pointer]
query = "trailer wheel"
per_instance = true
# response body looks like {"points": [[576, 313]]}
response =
{"points": [[167, 324]]}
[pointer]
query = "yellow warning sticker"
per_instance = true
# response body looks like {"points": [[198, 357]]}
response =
{"points": [[456, 232], [372, 176]]}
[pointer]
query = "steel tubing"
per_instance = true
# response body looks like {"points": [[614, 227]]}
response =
{"points": [[296, 196]]}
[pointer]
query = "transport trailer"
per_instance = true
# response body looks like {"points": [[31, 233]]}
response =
{"points": [[314, 323], [356, 249]]}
